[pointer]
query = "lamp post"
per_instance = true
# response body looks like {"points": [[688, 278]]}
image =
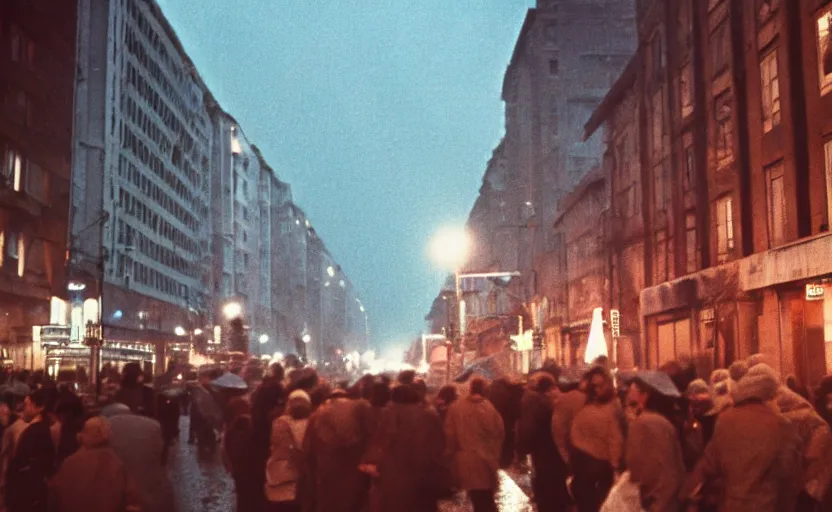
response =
{"points": [[233, 312], [450, 249]]}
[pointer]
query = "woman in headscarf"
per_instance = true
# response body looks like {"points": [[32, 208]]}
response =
{"points": [[286, 464]]}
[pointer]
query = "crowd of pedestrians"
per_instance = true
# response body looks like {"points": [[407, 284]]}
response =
{"points": [[739, 441]]}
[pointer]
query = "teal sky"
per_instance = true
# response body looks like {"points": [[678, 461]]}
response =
{"points": [[381, 114]]}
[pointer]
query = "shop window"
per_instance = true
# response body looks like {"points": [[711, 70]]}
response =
{"points": [[776, 203], [725, 229], [723, 116], [770, 88], [674, 341], [824, 38]]}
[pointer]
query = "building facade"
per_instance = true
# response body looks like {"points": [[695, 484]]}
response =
{"points": [[37, 76], [732, 105]]}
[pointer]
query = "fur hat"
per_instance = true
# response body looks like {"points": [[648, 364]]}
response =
{"points": [[759, 383], [737, 370], [697, 387]]}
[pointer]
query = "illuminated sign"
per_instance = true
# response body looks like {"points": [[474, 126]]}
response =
{"points": [[814, 292], [615, 322]]}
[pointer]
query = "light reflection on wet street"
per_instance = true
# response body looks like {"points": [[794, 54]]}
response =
{"points": [[202, 484]]}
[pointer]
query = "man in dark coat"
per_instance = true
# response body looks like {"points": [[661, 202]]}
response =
{"points": [[336, 440], [505, 395], [33, 462], [405, 457], [534, 437]]}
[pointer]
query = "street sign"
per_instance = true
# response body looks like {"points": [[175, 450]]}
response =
{"points": [[615, 323], [814, 292]]}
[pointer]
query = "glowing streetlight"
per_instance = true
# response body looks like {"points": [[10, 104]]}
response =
{"points": [[232, 310], [264, 338], [197, 332], [179, 330], [306, 338], [330, 271], [450, 247]]}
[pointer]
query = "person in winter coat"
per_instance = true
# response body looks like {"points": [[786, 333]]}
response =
{"points": [[406, 456], [653, 452], [134, 394], [597, 439], [33, 460], [285, 466], [336, 439], [565, 405], [754, 451], [534, 437], [505, 395], [474, 433], [445, 398], [138, 442], [239, 456], [93, 479]]}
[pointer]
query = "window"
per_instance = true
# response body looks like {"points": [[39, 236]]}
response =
{"points": [[724, 129], [725, 229], [660, 187], [688, 162], [37, 183], [827, 147], [18, 106], [776, 205], [657, 122], [691, 245], [656, 57], [12, 168], [686, 90], [553, 122], [770, 91], [22, 48], [553, 66], [660, 258], [721, 48], [824, 36]]}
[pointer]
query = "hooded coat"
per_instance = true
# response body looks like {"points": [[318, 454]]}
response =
{"points": [[754, 451], [474, 434], [336, 440]]}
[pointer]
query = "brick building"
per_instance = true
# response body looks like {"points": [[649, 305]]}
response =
{"points": [[729, 102]]}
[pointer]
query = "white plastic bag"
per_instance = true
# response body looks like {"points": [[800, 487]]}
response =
{"points": [[623, 497]]}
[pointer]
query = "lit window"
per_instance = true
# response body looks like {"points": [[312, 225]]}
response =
{"points": [[11, 169], [824, 36], [770, 91], [21, 255], [725, 229], [2, 248], [776, 205]]}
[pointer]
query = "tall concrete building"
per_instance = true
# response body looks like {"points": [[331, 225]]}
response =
{"points": [[37, 75], [141, 179]]}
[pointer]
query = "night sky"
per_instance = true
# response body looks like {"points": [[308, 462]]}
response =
{"points": [[381, 117]]}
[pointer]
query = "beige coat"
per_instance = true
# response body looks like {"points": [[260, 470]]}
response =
{"points": [[474, 432], [755, 453], [654, 458]]}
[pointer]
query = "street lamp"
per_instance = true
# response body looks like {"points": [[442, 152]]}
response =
{"points": [[179, 330], [264, 338], [306, 338], [450, 248], [232, 310]]}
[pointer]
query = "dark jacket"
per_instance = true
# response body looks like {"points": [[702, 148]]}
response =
{"points": [[93, 480], [30, 468], [407, 451], [534, 432]]}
